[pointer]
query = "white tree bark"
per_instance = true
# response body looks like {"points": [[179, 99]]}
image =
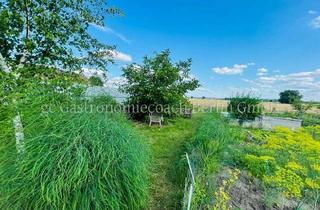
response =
{"points": [[4, 65], [17, 123], [19, 133]]}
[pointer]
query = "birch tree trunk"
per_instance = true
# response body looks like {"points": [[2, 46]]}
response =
{"points": [[3, 65], [19, 133], [17, 123]]}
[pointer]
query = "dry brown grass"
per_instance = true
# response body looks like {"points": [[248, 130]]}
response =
{"points": [[221, 105]]}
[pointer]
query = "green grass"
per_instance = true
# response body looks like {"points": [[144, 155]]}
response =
{"points": [[167, 146], [210, 149], [73, 161]]}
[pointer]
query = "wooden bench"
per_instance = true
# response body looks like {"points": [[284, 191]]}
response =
{"points": [[155, 118], [187, 113]]}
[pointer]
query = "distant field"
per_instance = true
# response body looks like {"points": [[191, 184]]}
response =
{"points": [[222, 105]]}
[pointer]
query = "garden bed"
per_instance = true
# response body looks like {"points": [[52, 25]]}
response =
{"points": [[277, 169]]}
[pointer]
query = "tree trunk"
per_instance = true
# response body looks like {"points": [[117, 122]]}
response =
{"points": [[19, 133], [23, 58], [17, 123], [3, 65]]}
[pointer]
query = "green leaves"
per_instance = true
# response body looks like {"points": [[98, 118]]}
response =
{"points": [[290, 96], [158, 81], [245, 107], [52, 32]]}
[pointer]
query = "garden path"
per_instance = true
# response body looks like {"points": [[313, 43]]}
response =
{"points": [[167, 148]]}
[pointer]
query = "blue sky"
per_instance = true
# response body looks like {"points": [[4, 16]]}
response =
{"points": [[261, 46]]}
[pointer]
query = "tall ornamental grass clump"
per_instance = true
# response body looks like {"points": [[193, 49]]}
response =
{"points": [[73, 160]]}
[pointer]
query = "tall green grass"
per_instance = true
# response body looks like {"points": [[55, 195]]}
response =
{"points": [[210, 150], [79, 160], [213, 139]]}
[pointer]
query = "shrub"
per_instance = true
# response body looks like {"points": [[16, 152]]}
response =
{"points": [[300, 107], [245, 107], [74, 161], [158, 84]]}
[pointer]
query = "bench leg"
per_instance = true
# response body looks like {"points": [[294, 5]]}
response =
{"points": [[149, 123]]}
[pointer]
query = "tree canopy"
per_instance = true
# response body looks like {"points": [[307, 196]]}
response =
{"points": [[54, 33], [290, 96], [95, 81], [158, 81]]}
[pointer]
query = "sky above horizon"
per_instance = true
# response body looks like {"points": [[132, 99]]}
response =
{"points": [[237, 46]]}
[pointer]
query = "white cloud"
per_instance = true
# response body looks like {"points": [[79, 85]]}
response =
{"points": [[119, 56], [308, 82], [111, 31], [315, 23], [115, 82], [107, 79], [89, 72], [202, 91], [262, 71], [235, 69], [312, 12], [307, 76]]}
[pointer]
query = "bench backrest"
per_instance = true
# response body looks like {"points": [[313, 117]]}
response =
{"points": [[155, 117], [187, 111]]}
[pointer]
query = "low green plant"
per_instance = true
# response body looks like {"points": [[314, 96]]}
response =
{"points": [[222, 194], [287, 180], [300, 107], [286, 161], [260, 165]]}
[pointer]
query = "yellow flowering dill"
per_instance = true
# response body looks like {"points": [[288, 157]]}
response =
{"points": [[312, 184], [288, 181], [296, 167], [294, 159], [259, 166], [221, 195], [316, 167]]}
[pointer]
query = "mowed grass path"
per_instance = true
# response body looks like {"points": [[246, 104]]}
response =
{"points": [[167, 148]]}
